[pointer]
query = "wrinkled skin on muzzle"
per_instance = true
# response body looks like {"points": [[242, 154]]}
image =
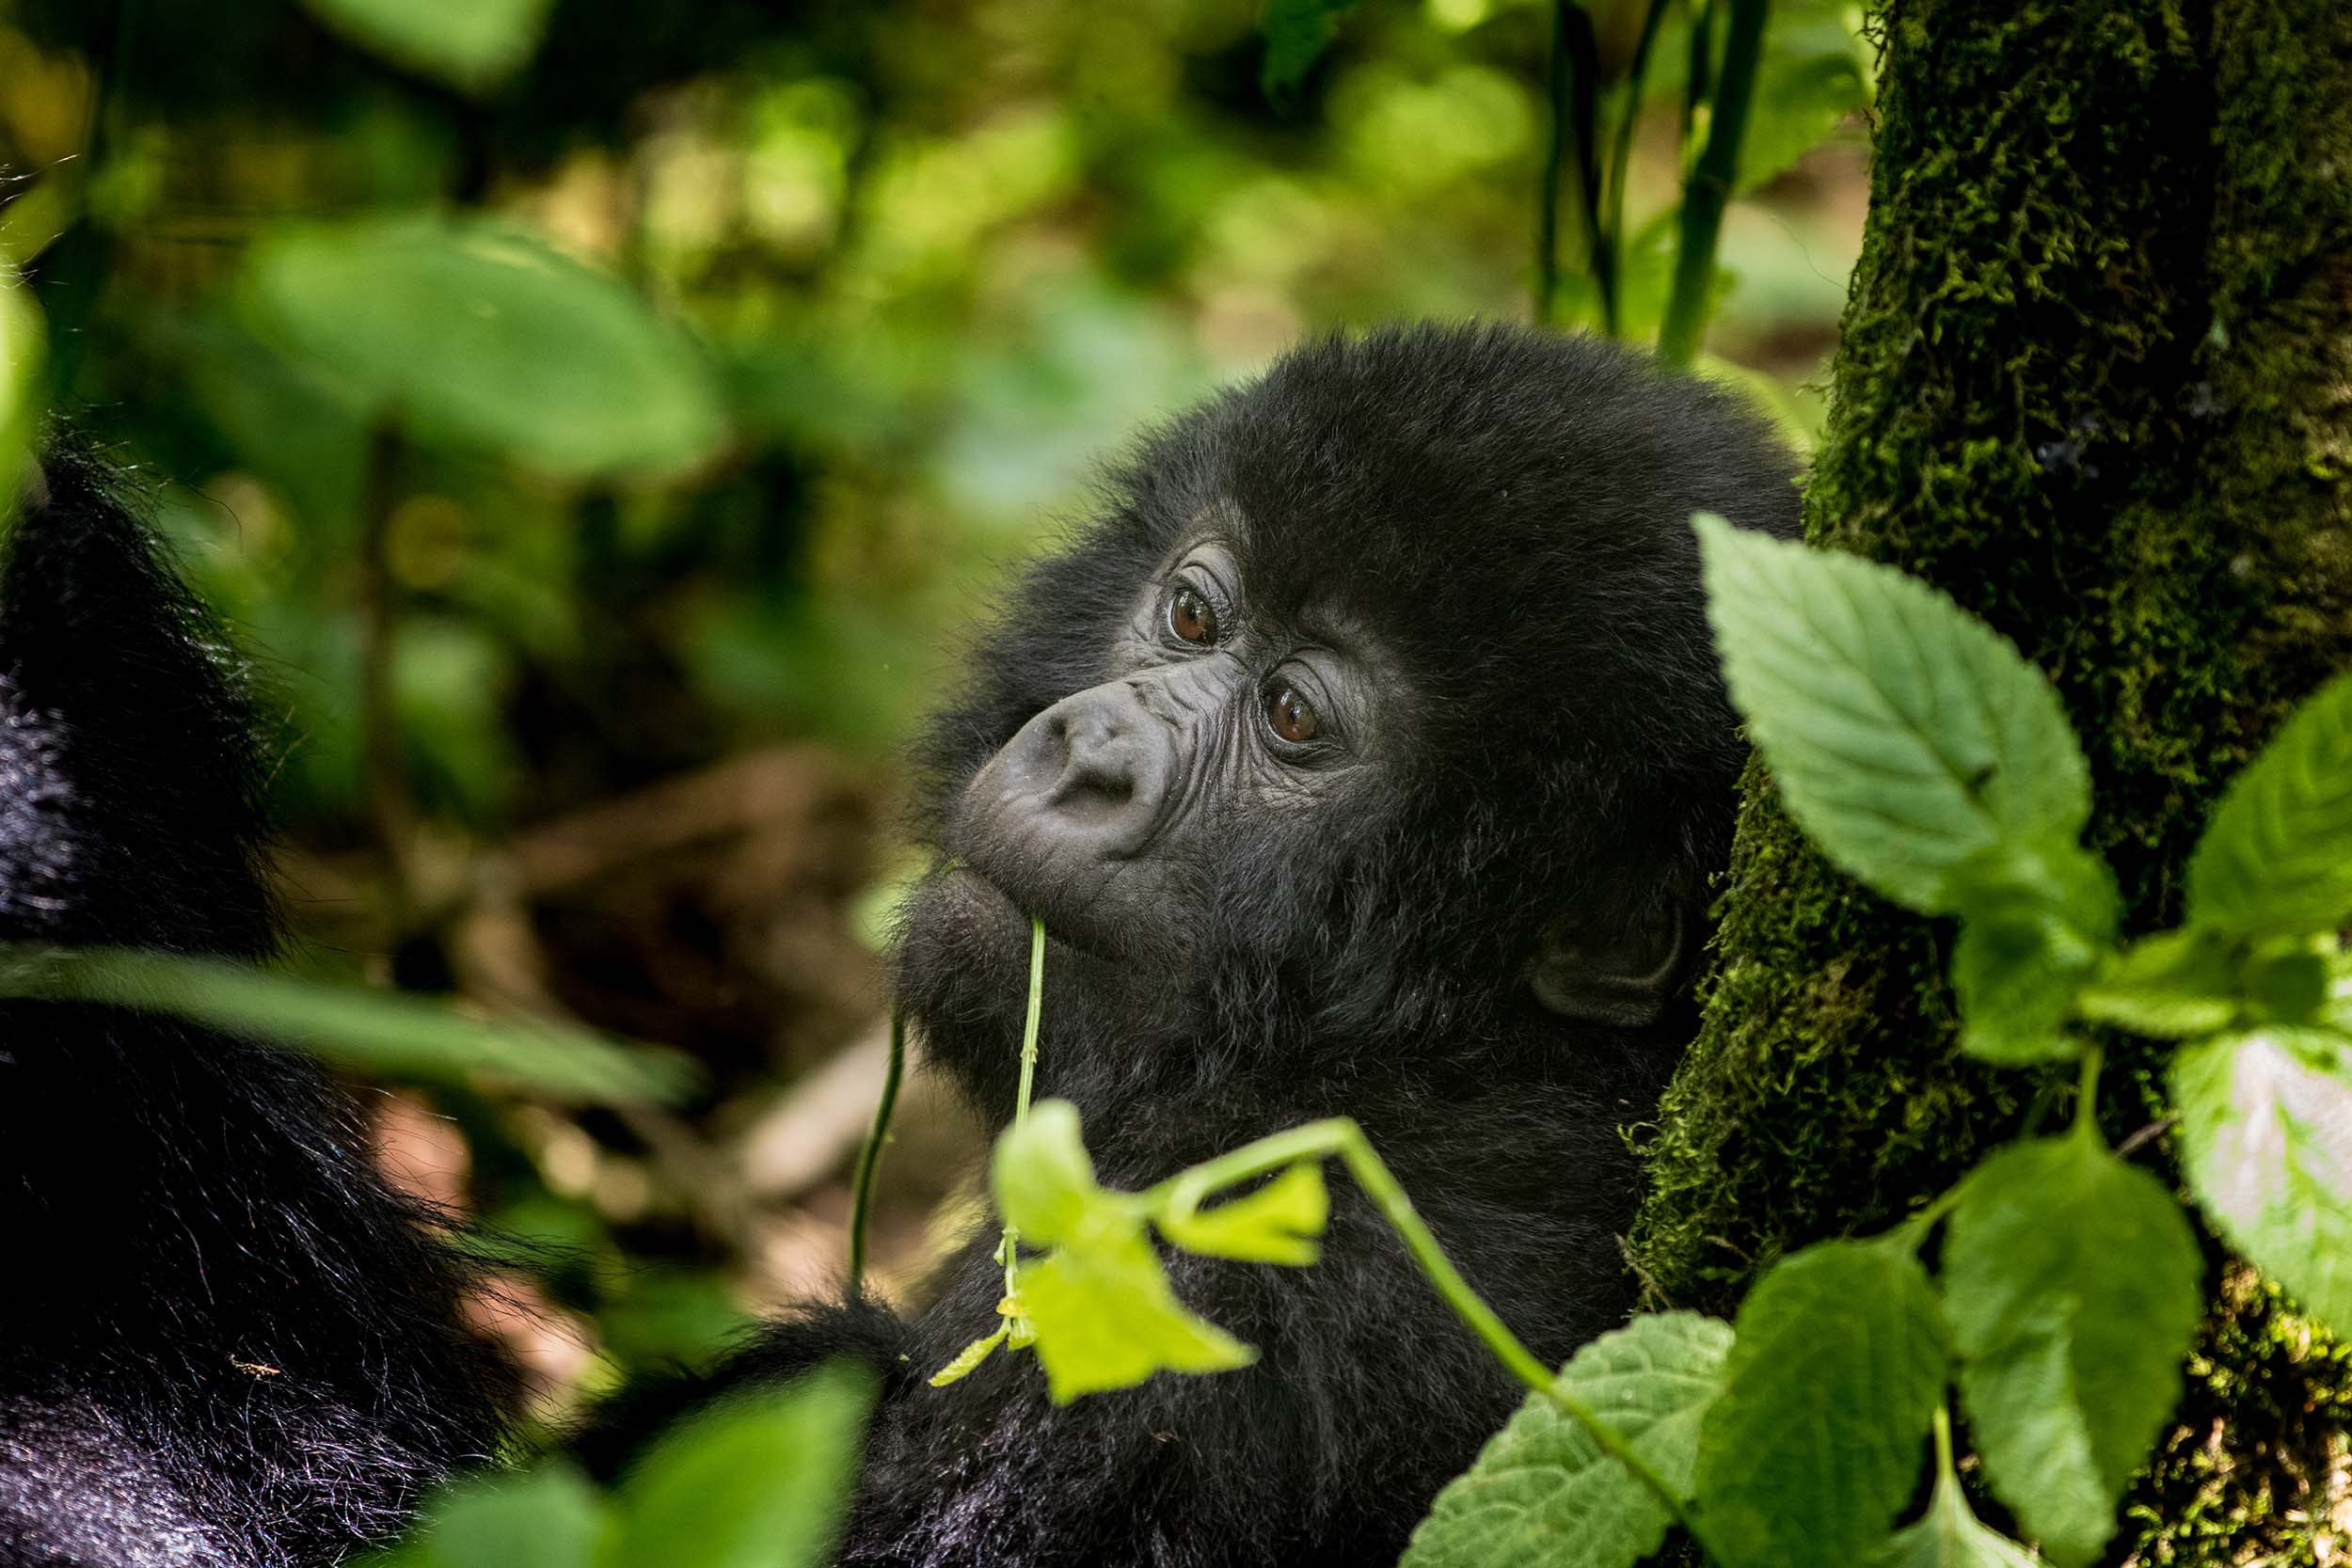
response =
{"points": [[1091, 816]]}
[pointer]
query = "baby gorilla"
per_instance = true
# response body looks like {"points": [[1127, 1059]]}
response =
{"points": [[1366, 757]]}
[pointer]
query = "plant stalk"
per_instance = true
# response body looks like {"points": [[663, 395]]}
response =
{"points": [[1011, 1246], [1710, 183], [1572, 88], [1342, 1137], [869, 1157], [1628, 118]]}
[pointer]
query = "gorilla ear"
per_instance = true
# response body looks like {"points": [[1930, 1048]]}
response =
{"points": [[1621, 977]]}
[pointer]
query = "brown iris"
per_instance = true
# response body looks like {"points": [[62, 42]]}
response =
{"points": [[1191, 617], [1292, 716]]}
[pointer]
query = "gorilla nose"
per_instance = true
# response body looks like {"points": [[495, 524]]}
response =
{"points": [[1091, 771]]}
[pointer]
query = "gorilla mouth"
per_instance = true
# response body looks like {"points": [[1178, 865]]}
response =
{"points": [[990, 905]]}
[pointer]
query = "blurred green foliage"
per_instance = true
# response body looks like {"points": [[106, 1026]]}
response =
{"points": [[756, 1482], [935, 263], [391, 1034]]}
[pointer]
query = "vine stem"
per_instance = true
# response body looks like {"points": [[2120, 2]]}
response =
{"points": [[1009, 1247], [1572, 88], [2087, 1093], [1628, 119], [869, 1157], [1343, 1138], [1709, 185]]}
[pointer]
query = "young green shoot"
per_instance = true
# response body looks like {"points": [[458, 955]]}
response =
{"points": [[1015, 1330]]}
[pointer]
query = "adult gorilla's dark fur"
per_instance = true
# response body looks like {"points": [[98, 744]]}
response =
{"points": [[1465, 919], [222, 1340]]}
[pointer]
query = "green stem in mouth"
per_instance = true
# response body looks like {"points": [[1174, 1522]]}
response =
{"points": [[1009, 1249], [1028, 1027]]}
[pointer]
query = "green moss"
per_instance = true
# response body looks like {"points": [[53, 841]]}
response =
{"points": [[2095, 379]]}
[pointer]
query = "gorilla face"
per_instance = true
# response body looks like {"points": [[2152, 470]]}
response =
{"points": [[1373, 719], [1106, 813]]}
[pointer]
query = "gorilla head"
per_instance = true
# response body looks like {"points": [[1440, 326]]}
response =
{"points": [[1372, 728]]}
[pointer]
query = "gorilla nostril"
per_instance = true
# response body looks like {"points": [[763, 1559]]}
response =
{"points": [[1092, 797]]}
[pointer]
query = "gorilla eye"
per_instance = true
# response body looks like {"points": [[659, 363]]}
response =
{"points": [[1191, 617], [1292, 716]]}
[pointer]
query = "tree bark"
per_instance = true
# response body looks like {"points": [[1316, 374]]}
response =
{"points": [[2094, 380]]}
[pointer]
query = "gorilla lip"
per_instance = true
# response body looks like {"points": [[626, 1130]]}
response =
{"points": [[1015, 919]]}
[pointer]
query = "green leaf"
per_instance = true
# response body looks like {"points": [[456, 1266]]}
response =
{"points": [[759, 1481], [475, 334], [1097, 1307], [2070, 1280], [2176, 985], [1813, 76], [23, 339], [547, 1518], [1044, 1176], [1815, 1444], [2035, 926], [1277, 1224], [473, 45], [2276, 858], [2289, 980], [1949, 1536], [391, 1032], [1543, 1494], [2266, 1133], [1296, 34], [1908, 737], [1106, 1317]]}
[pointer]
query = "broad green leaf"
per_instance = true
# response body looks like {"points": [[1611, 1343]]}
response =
{"points": [[1044, 1176], [1097, 1306], [1106, 1318], [2176, 985], [1816, 1441], [22, 342], [392, 1033], [1907, 736], [1544, 1495], [473, 44], [2288, 979], [1814, 74], [1948, 1535], [475, 334], [2071, 1282], [1296, 34], [2276, 858], [546, 1518], [758, 1482], [2266, 1133], [1277, 1224], [2035, 926]]}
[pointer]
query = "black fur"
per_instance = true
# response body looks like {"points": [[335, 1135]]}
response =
{"points": [[224, 1342], [1507, 512]]}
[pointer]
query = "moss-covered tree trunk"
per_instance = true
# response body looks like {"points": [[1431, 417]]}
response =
{"points": [[2096, 381]]}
